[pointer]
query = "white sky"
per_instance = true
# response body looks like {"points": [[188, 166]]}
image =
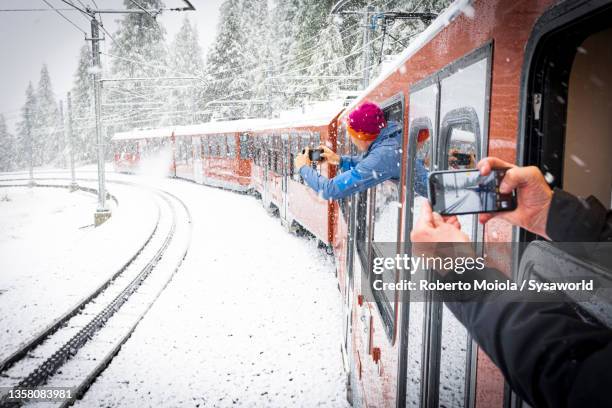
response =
{"points": [[29, 39]]}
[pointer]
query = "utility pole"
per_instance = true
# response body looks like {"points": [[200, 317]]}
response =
{"points": [[102, 212], [61, 135], [73, 184], [366, 45], [28, 117]]}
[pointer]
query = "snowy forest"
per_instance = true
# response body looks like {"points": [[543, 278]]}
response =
{"points": [[267, 56]]}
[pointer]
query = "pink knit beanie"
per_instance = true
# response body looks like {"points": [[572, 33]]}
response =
{"points": [[366, 121]]}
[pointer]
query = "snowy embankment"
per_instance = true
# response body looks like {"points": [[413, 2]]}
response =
{"points": [[251, 319], [51, 256]]}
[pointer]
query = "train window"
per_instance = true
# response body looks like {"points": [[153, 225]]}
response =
{"points": [[385, 216], [205, 147], [294, 147], [463, 109], [245, 146], [231, 145], [422, 137]]}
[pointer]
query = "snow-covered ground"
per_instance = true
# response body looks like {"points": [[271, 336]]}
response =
{"points": [[252, 318], [51, 256]]}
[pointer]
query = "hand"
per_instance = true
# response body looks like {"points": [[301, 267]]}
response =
{"points": [[301, 160], [431, 227], [329, 155], [533, 195]]}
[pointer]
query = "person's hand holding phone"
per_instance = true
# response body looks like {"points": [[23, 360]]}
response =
{"points": [[533, 195], [329, 155]]}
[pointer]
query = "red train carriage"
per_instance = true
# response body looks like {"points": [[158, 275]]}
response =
{"points": [[153, 148], [280, 186], [520, 80]]}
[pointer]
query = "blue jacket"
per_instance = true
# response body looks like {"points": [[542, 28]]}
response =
{"points": [[381, 162]]}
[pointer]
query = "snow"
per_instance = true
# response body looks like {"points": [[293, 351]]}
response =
{"points": [[316, 114], [252, 318], [51, 257]]}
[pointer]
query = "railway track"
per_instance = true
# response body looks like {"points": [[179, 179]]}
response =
{"points": [[76, 348]]}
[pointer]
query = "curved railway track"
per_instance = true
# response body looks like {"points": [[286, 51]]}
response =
{"points": [[76, 348]]}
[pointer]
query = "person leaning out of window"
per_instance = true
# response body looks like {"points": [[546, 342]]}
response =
{"points": [[379, 142]]}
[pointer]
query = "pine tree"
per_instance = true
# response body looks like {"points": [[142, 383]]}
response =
{"points": [[140, 52], [46, 121], [25, 129], [186, 57], [226, 72], [327, 61], [7, 147], [84, 134]]}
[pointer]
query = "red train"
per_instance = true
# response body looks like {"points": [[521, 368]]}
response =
{"points": [[527, 81]]}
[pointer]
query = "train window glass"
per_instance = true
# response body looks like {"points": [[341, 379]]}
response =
{"points": [[384, 228], [231, 145], [361, 236], [294, 147], [205, 147], [244, 146], [422, 134], [463, 109]]}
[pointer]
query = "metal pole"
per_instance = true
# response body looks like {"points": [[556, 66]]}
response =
{"points": [[28, 116], [102, 213], [73, 184], [366, 45]]}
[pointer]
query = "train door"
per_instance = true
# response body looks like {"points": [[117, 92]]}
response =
{"points": [[567, 134], [448, 115], [284, 173]]}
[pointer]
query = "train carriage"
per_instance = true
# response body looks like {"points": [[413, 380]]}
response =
{"points": [[510, 79]]}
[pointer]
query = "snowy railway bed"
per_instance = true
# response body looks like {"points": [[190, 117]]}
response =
{"points": [[298, 343], [88, 335]]}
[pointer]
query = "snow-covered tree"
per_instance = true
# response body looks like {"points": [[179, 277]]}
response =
{"points": [[46, 121], [25, 128], [84, 134], [226, 71], [186, 58], [7, 147], [139, 51], [327, 61]]}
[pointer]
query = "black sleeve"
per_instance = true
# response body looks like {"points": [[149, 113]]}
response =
{"points": [[549, 355], [574, 219]]}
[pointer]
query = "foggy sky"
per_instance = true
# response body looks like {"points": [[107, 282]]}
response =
{"points": [[29, 39]]}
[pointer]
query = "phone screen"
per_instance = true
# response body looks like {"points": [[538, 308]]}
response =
{"points": [[467, 192]]}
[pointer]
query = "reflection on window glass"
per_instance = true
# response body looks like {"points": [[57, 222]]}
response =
{"points": [[462, 148]]}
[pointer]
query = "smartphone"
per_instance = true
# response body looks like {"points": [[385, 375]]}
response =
{"points": [[457, 192], [315, 154]]}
